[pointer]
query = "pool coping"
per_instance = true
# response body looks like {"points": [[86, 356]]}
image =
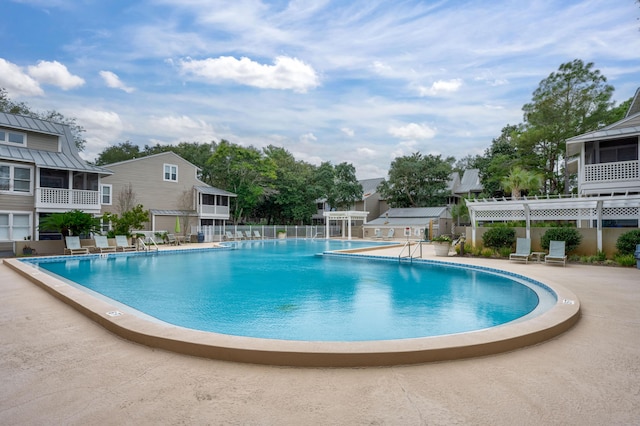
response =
{"points": [[561, 317]]}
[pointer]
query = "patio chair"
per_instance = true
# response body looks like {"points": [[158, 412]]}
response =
{"points": [[556, 253], [229, 236], [248, 235], [73, 246], [172, 240], [523, 250], [239, 235], [102, 245], [390, 234], [122, 244], [257, 235], [377, 233]]}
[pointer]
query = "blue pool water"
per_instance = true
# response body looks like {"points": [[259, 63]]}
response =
{"points": [[284, 290]]}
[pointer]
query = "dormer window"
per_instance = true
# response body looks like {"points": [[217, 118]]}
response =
{"points": [[13, 138], [171, 172]]}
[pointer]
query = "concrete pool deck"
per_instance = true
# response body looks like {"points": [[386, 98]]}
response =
{"points": [[58, 367]]}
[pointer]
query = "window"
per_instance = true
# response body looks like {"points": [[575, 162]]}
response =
{"points": [[171, 172], [12, 138], [15, 179], [105, 194], [15, 226]]}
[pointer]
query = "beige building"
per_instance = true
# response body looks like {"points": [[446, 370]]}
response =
{"points": [[168, 186], [41, 173]]}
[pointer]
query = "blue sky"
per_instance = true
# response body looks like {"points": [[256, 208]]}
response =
{"points": [[361, 81]]}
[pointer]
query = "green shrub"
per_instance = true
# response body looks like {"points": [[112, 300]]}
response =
{"points": [[570, 236], [504, 251], [477, 250], [486, 252], [601, 256], [498, 237], [625, 260], [627, 242]]}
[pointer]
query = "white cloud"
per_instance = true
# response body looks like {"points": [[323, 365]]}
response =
{"points": [[347, 131], [182, 128], [103, 128], [113, 81], [441, 87], [16, 82], [412, 131], [308, 138], [286, 73], [366, 152], [55, 74]]}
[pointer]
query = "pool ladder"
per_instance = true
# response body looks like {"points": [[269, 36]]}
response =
{"points": [[147, 247], [410, 254]]}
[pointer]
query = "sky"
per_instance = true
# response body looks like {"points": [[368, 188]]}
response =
{"points": [[362, 81]]}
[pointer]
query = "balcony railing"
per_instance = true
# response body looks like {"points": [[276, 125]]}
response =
{"points": [[67, 198], [207, 209], [607, 172]]}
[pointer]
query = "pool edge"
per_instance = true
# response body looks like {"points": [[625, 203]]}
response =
{"points": [[561, 317]]}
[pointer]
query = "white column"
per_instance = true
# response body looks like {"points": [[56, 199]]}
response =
{"points": [[527, 216], [599, 224], [349, 221], [326, 228]]}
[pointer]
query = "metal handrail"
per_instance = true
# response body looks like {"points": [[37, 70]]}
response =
{"points": [[145, 247], [406, 245]]}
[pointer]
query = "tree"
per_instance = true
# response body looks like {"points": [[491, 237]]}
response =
{"points": [[126, 199], [74, 222], [20, 108], [242, 171], [572, 101], [521, 180], [116, 153], [127, 221], [498, 159], [417, 181], [346, 189]]}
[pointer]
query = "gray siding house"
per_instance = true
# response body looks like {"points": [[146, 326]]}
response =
{"points": [[168, 186], [41, 173]]}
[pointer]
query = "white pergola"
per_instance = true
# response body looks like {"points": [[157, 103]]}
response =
{"points": [[344, 215], [581, 209]]}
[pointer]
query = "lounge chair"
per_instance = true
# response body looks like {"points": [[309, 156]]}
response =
{"points": [[73, 246], [390, 234], [172, 240], [229, 236], [556, 253], [102, 245], [523, 250], [122, 244], [377, 233], [248, 235], [257, 235], [239, 235]]}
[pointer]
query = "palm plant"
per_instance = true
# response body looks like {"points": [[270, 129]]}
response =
{"points": [[520, 180]]}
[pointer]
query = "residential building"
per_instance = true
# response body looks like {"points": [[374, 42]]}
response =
{"points": [[608, 193], [41, 172], [168, 186], [411, 222]]}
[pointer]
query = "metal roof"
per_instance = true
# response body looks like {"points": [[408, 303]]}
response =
{"points": [[370, 186], [214, 191], [415, 212], [627, 127], [67, 159], [158, 212], [398, 221], [29, 123], [470, 182]]}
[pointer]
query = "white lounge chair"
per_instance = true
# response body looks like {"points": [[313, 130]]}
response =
{"points": [[247, 235], [377, 233], [122, 244], [239, 235], [556, 253], [523, 250], [102, 245], [257, 235], [390, 234], [73, 246], [229, 236]]}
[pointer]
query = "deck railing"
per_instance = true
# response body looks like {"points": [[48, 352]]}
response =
{"points": [[606, 172], [67, 197]]}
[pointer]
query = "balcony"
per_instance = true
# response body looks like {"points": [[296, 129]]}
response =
{"points": [[67, 199], [215, 212], [611, 177]]}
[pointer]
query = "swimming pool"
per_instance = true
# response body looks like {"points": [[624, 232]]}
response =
{"points": [[284, 290]]}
